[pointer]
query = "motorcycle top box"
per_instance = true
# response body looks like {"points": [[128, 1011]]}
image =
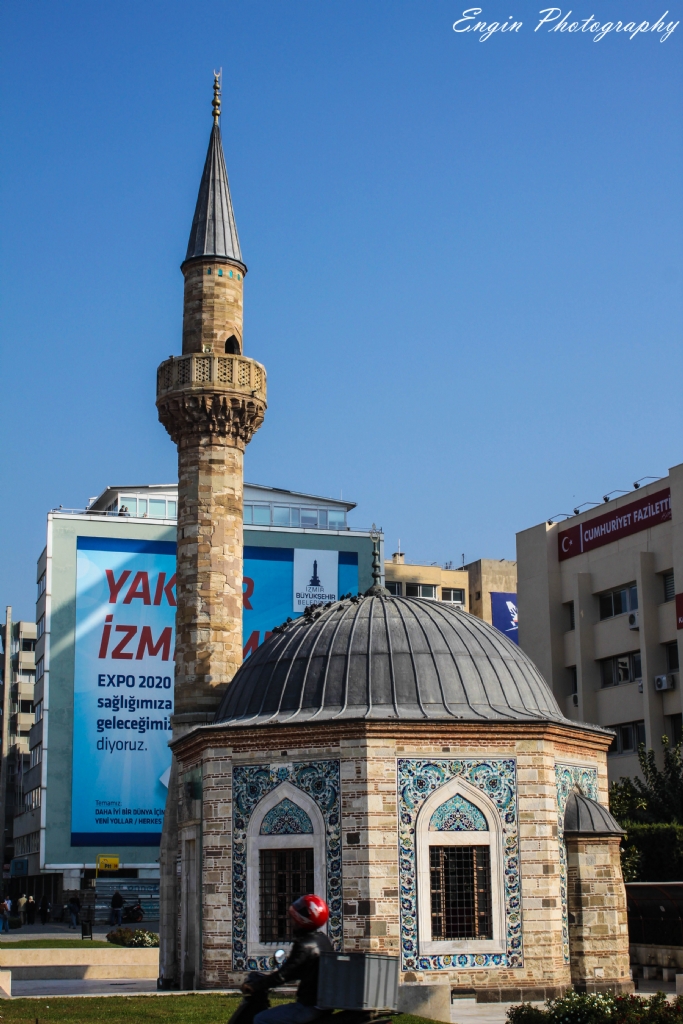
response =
{"points": [[358, 981]]}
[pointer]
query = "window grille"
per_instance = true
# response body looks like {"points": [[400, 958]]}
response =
{"points": [[258, 378], [243, 374], [669, 586], [461, 892], [285, 875]]}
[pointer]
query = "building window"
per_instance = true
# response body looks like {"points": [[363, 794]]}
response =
{"points": [[669, 585], [624, 668], [40, 626], [26, 707], [309, 518], [36, 755], [570, 622], [39, 711], [32, 799], [672, 662], [460, 872], [285, 858], [28, 645], [628, 737], [280, 516], [24, 845], [477, 596], [573, 680], [421, 590], [460, 889], [676, 728], [618, 602], [40, 668], [285, 875], [42, 583], [452, 595], [394, 588], [232, 346]]}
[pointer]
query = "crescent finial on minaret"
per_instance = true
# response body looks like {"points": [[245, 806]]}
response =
{"points": [[216, 101]]}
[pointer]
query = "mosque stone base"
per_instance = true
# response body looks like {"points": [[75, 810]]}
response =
{"points": [[370, 799]]}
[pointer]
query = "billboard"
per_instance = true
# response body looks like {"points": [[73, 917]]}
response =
{"points": [[279, 583], [504, 614], [123, 690]]}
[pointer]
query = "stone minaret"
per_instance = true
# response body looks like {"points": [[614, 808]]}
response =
{"points": [[211, 399]]}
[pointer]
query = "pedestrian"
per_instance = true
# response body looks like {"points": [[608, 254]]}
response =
{"points": [[44, 909], [4, 915], [21, 906], [74, 909], [8, 901], [31, 910], [116, 909]]}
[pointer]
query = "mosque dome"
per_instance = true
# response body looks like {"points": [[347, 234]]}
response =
{"points": [[379, 657]]}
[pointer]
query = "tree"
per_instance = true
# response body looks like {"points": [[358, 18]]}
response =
{"points": [[658, 796]]}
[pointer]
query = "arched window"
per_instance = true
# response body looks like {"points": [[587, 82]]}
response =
{"points": [[285, 859], [459, 852], [232, 346]]}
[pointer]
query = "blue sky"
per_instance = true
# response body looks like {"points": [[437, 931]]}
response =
{"points": [[464, 258]]}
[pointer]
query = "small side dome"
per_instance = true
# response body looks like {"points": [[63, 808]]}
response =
{"points": [[588, 817]]}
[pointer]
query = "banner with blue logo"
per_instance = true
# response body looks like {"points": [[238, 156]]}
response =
{"points": [[504, 614], [123, 690], [279, 583]]}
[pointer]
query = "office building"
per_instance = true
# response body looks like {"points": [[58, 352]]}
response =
{"points": [[59, 807], [18, 680], [601, 617]]}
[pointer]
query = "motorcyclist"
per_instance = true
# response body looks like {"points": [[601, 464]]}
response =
{"points": [[308, 914]]}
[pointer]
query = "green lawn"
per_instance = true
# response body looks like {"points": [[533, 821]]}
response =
{"points": [[186, 1009], [56, 944]]}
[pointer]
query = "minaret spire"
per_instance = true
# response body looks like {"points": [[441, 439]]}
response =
{"points": [[214, 231]]}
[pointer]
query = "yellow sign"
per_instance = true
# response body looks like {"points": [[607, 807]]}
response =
{"points": [[106, 862]]}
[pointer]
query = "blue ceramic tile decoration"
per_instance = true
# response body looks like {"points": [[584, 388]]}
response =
{"points": [[250, 783], [567, 776], [458, 815], [417, 780], [286, 819]]}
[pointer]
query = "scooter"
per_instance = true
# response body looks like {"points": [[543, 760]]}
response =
{"points": [[258, 1000]]}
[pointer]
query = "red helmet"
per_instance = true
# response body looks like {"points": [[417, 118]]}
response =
{"points": [[309, 912]]}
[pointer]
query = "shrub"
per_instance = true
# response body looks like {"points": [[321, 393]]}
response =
{"points": [[600, 1009], [149, 940], [652, 852], [138, 938], [120, 936]]}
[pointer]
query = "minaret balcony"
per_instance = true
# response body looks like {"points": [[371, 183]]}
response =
{"points": [[199, 372]]}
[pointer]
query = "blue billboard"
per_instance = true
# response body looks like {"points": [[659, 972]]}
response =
{"points": [[280, 582], [123, 690], [504, 614]]}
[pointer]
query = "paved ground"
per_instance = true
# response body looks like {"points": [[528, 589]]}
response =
{"points": [[62, 931]]}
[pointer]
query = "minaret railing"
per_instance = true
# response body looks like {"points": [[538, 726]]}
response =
{"points": [[226, 373]]}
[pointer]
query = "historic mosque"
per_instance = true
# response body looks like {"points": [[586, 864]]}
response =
{"points": [[399, 757]]}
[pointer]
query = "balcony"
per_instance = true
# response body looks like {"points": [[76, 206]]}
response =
{"points": [[225, 373]]}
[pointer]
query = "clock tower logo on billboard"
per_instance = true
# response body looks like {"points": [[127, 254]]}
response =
{"points": [[316, 575]]}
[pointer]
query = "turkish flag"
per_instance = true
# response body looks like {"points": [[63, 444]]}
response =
{"points": [[569, 543]]}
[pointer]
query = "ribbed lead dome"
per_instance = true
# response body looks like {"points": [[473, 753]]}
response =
{"points": [[380, 657]]}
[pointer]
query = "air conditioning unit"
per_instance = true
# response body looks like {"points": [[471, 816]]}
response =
{"points": [[665, 682], [633, 620]]}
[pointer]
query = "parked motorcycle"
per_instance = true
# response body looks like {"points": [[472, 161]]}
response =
{"points": [[133, 914]]}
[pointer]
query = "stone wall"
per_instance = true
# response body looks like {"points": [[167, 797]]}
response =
{"points": [[213, 309], [370, 759], [598, 925]]}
